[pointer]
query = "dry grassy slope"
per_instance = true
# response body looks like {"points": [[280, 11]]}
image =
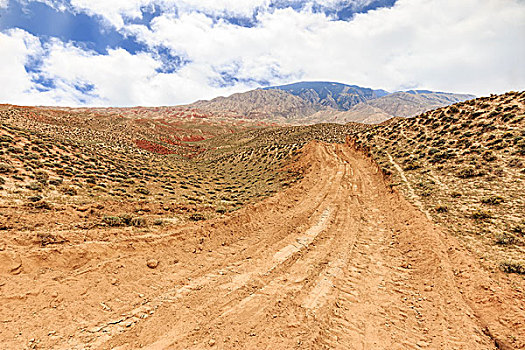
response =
{"points": [[56, 177], [123, 127], [465, 166], [458, 160]]}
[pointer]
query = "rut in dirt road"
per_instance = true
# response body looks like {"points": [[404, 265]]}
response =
{"points": [[338, 261]]}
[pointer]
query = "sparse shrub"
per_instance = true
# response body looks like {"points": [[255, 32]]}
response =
{"points": [[492, 200], [412, 165], [70, 191], [432, 151], [519, 229], [488, 156], [453, 109], [48, 238], [142, 190], [520, 145], [55, 182], [426, 193], [5, 168], [481, 215], [467, 172], [158, 222], [6, 138], [34, 186], [513, 267], [138, 222], [197, 217], [112, 221], [505, 239], [441, 209], [43, 205], [34, 198], [455, 194], [126, 219], [15, 150]]}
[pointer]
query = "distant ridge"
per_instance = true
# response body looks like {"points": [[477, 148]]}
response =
{"points": [[335, 95], [310, 102]]}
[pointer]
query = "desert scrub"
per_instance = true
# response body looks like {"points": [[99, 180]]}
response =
{"points": [[142, 190], [412, 165], [70, 191], [34, 186], [519, 229], [513, 267], [505, 238], [481, 215], [468, 172], [441, 209], [34, 198], [492, 200], [138, 222], [5, 168], [112, 221], [197, 217]]}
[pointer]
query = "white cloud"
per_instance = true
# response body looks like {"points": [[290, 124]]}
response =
{"points": [[468, 46], [17, 47], [116, 11], [447, 45], [3, 3]]}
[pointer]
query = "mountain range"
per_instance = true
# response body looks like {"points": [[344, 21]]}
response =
{"points": [[314, 102]]}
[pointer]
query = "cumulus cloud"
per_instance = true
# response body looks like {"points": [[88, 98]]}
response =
{"points": [[468, 46], [17, 48], [445, 45], [117, 11]]}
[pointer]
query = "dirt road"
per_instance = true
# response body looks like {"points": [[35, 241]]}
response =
{"points": [[338, 261]]}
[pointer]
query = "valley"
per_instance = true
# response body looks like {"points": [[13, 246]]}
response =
{"points": [[221, 225]]}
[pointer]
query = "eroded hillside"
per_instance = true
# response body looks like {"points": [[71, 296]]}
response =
{"points": [[464, 165], [256, 235]]}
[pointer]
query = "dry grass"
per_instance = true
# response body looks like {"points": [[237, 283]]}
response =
{"points": [[466, 163]]}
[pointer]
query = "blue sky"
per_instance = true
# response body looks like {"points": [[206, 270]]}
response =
{"points": [[166, 52]]}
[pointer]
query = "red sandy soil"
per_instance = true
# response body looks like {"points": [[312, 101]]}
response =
{"points": [[337, 261]]}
